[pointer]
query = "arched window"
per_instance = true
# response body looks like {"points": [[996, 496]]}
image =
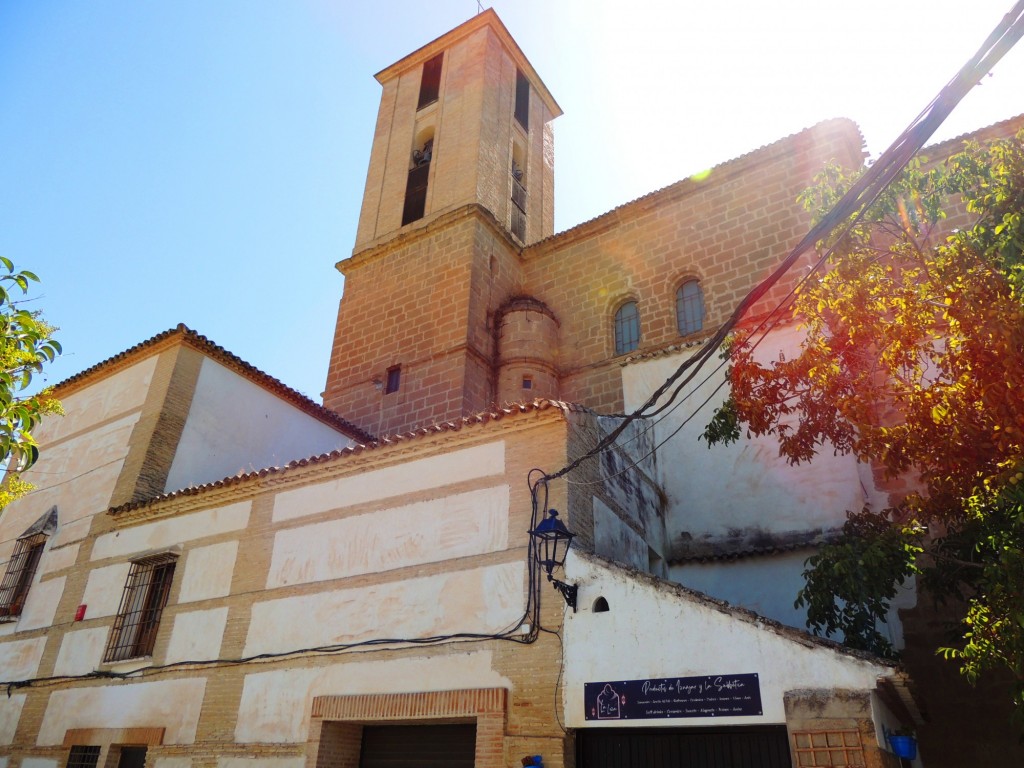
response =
{"points": [[627, 328], [689, 307]]}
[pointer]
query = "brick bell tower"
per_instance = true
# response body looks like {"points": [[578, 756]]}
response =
{"points": [[461, 177]]}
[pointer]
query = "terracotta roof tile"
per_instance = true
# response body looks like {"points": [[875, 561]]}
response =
{"points": [[684, 185], [509, 410], [232, 361]]}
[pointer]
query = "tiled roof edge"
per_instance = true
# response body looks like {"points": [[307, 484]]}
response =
{"points": [[816, 539], [454, 425], [994, 130], [231, 360], [744, 614], [679, 186]]}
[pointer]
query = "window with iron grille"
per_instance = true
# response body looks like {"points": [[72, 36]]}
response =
{"points": [[21, 569], [627, 328], [83, 757], [689, 307], [138, 618]]}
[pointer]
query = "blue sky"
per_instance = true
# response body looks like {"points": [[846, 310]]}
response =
{"points": [[203, 162]]}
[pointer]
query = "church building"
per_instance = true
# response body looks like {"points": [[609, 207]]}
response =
{"points": [[216, 572]]}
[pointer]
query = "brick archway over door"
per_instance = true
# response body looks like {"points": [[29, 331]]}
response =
{"points": [[336, 725]]}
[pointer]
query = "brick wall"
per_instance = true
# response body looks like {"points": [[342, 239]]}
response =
{"points": [[427, 299], [728, 230], [426, 302], [526, 722]]}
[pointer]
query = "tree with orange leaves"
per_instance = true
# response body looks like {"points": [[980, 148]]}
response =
{"points": [[913, 360]]}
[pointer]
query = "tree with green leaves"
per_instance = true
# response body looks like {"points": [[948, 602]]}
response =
{"points": [[26, 346], [913, 361]]}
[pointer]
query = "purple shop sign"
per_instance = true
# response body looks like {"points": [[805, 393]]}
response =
{"points": [[663, 697]]}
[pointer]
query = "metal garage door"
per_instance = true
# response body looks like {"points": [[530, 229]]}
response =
{"points": [[761, 747], [418, 746]]}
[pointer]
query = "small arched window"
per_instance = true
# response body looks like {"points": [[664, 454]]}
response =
{"points": [[627, 328], [689, 307]]}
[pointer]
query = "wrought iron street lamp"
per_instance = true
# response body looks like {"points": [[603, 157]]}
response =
{"points": [[551, 541]]}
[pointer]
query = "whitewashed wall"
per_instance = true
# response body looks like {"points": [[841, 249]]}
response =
{"points": [[236, 426], [276, 706], [767, 585], [174, 704], [653, 630], [317, 542], [744, 496], [391, 568], [739, 494], [83, 452]]}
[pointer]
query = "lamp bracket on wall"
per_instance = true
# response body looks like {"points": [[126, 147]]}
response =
{"points": [[551, 540]]}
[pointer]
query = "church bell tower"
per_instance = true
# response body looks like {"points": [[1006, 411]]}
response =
{"points": [[461, 178]]}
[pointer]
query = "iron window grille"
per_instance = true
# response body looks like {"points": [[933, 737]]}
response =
{"points": [[138, 618], [83, 757], [21, 570], [627, 328], [689, 308]]}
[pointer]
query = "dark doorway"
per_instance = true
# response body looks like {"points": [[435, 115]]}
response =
{"points": [[418, 746], [755, 747]]}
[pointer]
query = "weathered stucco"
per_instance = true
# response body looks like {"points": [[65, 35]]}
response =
{"points": [[10, 713], [482, 600], [41, 605], [20, 658], [614, 539], [767, 584], [174, 704], [711, 491], [88, 407], [655, 630], [208, 572], [377, 484], [471, 523], [276, 706], [197, 635], [173, 531], [81, 651]]}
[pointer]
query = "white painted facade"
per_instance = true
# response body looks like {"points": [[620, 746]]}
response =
{"points": [[372, 548], [741, 520], [276, 706], [236, 426], [734, 494], [84, 455], [382, 546], [653, 630], [392, 581]]}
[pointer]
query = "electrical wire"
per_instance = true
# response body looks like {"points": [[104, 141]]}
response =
{"points": [[850, 208], [853, 204], [513, 633]]}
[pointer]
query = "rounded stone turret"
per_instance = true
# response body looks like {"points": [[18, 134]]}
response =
{"points": [[527, 349]]}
